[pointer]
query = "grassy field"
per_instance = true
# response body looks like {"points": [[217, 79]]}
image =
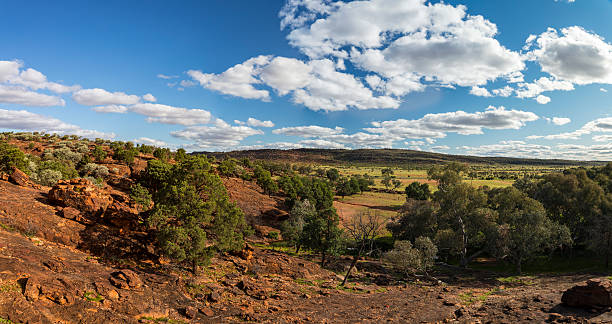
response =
{"points": [[408, 176]]}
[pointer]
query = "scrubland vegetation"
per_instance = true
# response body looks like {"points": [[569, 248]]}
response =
{"points": [[415, 222]]}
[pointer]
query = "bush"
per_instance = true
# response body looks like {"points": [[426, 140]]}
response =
{"points": [[98, 153], [140, 195], [11, 156], [94, 170], [66, 154], [418, 191], [47, 177], [408, 259]]}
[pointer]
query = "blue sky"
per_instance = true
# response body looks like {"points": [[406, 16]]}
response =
{"points": [[498, 78]]}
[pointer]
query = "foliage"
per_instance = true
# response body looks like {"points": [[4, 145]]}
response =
{"points": [[99, 153], [264, 180], [418, 191], [293, 227], [141, 196], [523, 229], [408, 259], [228, 167], [333, 174], [192, 214], [11, 156], [47, 177], [416, 218], [125, 155], [94, 170]]}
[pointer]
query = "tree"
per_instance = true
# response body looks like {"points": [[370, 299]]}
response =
{"points": [[418, 191], [386, 181], [463, 209], [408, 259], [416, 218], [600, 231], [387, 172], [11, 156], [523, 229], [362, 229], [293, 227], [396, 183], [192, 215], [333, 174], [99, 153], [322, 234], [264, 180], [228, 167]]}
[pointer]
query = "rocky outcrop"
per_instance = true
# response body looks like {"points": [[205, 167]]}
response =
{"points": [[596, 293], [82, 195], [19, 178], [87, 204], [125, 279]]}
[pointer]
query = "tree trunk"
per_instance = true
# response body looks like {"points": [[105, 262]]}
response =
{"points": [[297, 249], [607, 251], [194, 267], [464, 260], [322, 258], [353, 263]]}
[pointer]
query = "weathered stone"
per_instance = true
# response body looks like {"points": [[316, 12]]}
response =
{"points": [[125, 279], [82, 195], [596, 293], [18, 177], [207, 311], [190, 312], [71, 213], [214, 297]]}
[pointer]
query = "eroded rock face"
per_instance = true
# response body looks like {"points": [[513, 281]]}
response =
{"points": [[82, 195], [596, 293], [125, 279], [19, 178]]}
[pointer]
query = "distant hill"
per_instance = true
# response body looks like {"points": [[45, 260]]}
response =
{"points": [[383, 157]]}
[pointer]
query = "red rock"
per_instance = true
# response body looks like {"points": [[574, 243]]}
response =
{"points": [[191, 312], [70, 213], [596, 293], [125, 279], [82, 195], [19, 178], [207, 311]]}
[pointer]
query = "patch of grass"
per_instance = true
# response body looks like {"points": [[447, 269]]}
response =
{"points": [[7, 227], [527, 280], [9, 287], [161, 320], [5, 321], [305, 282], [93, 296], [197, 289], [471, 297]]}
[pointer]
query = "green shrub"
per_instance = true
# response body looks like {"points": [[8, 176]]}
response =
{"points": [[47, 177], [94, 170], [11, 156], [66, 154]]}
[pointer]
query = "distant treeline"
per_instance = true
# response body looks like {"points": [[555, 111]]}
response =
{"points": [[384, 157]]}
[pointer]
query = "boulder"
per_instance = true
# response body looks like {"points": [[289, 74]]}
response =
{"points": [[121, 215], [82, 195], [70, 213], [19, 178], [596, 293], [125, 279]]}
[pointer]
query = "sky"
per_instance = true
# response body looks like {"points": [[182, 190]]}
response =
{"points": [[518, 78]]}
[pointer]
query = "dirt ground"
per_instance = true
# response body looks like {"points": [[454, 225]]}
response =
{"points": [[50, 272]]}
